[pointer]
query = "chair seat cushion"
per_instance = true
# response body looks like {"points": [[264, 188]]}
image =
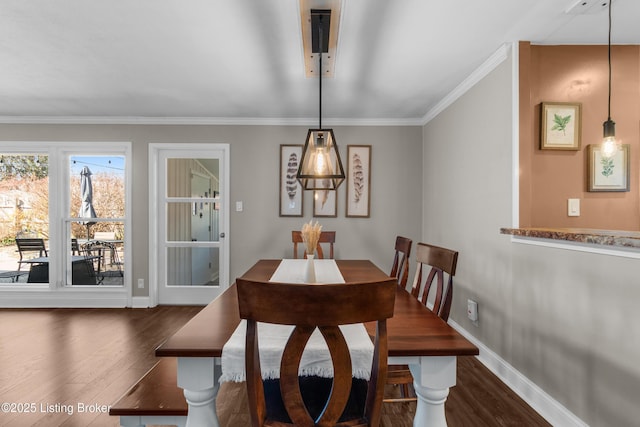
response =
{"points": [[315, 392]]}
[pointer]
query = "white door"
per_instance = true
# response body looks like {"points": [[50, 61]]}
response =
{"points": [[188, 212]]}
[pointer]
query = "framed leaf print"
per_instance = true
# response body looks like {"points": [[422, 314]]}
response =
{"points": [[358, 180], [325, 203], [290, 189], [560, 126], [608, 174]]}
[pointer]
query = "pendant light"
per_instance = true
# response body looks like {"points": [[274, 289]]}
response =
{"points": [[321, 166], [609, 145]]}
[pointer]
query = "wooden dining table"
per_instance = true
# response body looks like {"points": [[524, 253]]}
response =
{"points": [[416, 337]]}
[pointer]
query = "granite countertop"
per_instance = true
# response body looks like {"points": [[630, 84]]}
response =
{"points": [[616, 238]]}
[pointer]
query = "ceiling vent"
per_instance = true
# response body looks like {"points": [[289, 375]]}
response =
{"points": [[310, 10], [587, 7]]}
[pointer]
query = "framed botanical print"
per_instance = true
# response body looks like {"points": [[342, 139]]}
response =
{"points": [[325, 203], [561, 125], [358, 180], [290, 189], [608, 173]]}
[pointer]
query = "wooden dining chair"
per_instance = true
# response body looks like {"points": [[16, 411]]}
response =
{"points": [[397, 374], [324, 307], [30, 247], [440, 261], [400, 268], [327, 237], [437, 261]]}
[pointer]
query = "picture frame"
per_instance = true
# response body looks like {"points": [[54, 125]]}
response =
{"points": [[358, 181], [560, 126], [608, 175], [325, 203], [291, 193]]}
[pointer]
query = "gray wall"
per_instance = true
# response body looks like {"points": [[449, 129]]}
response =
{"points": [[564, 319], [258, 231]]}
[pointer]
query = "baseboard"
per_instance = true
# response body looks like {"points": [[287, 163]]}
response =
{"points": [[37, 297], [549, 408], [140, 302]]}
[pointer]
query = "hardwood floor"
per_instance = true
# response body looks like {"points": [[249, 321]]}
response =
{"points": [[479, 399], [68, 365]]}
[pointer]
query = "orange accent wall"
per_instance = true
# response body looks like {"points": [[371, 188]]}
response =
{"points": [[549, 178]]}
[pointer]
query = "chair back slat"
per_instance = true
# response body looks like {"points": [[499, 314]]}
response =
{"points": [[31, 245]]}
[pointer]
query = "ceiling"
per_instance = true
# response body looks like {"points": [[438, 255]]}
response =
{"points": [[240, 61]]}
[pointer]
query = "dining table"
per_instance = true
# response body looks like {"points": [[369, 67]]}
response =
{"points": [[416, 337]]}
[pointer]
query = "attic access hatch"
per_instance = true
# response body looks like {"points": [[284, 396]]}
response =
{"points": [[310, 10]]}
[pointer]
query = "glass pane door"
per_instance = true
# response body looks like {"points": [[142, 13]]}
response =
{"points": [[189, 226]]}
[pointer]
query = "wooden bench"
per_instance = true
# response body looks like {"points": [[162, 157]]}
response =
{"points": [[154, 399]]}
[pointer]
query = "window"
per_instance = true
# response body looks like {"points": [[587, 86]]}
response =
{"points": [[84, 228]]}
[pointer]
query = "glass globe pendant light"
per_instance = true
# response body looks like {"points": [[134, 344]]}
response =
{"points": [[609, 145], [321, 166]]}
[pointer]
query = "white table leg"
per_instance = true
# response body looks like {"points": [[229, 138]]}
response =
{"points": [[199, 377], [432, 378]]}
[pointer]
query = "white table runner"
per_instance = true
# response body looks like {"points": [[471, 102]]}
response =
{"points": [[316, 359], [292, 271]]}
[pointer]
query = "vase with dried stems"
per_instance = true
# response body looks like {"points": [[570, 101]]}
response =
{"points": [[310, 236]]}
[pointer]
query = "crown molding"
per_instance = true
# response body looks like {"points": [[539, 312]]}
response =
{"points": [[497, 58], [206, 121]]}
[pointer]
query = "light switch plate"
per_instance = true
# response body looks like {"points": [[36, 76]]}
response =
{"points": [[573, 207], [472, 310]]}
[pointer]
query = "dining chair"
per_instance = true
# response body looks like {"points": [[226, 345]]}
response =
{"points": [[30, 246], [324, 307], [397, 374], [328, 237], [439, 260], [400, 268]]}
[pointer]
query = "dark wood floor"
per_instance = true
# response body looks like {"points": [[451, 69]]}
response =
{"points": [[56, 361]]}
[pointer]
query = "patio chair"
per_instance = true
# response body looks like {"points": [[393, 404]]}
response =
{"points": [[30, 247], [115, 269], [95, 250]]}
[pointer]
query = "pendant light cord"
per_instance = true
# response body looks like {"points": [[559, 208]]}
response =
{"points": [[609, 101], [320, 35]]}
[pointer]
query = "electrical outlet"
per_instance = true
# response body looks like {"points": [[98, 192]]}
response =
{"points": [[140, 283]]}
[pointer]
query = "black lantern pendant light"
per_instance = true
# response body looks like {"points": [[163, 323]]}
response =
{"points": [[609, 145], [321, 167]]}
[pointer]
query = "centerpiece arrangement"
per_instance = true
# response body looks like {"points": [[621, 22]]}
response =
{"points": [[310, 236]]}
